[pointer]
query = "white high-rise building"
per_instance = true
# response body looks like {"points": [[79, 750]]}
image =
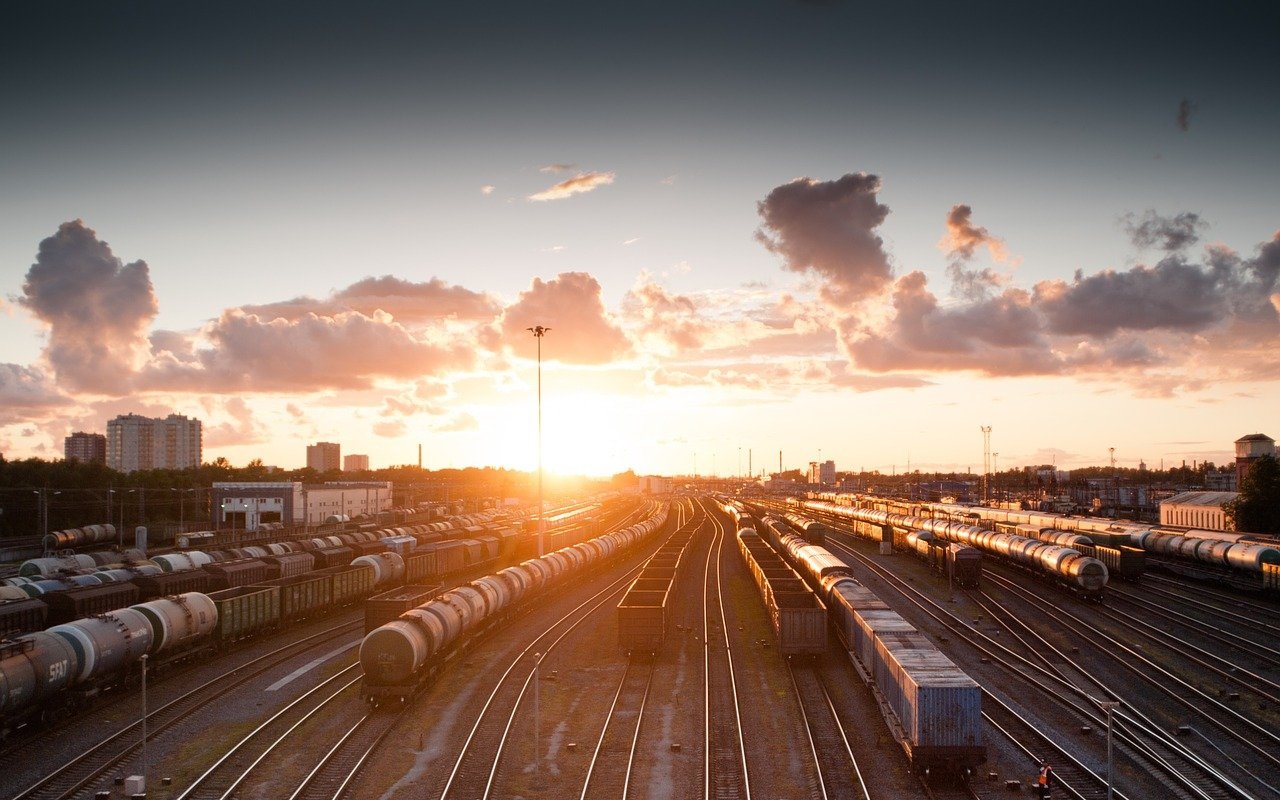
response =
{"points": [[135, 442]]}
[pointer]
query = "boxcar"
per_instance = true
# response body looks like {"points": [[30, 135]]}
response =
{"points": [[287, 565], [241, 572], [85, 601], [171, 583], [23, 616], [333, 557]]}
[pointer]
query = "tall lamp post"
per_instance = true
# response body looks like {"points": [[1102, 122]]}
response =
{"points": [[1109, 706], [538, 332]]}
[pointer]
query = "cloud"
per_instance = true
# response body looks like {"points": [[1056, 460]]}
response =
{"points": [[998, 335], [1176, 324], [97, 309], [25, 391], [1172, 295], [829, 227], [553, 168], [790, 377], [458, 423], [570, 305], [406, 301], [963, 237], [240, 429], [347, 350], [578, 184], [1184, 114], [390, 429], [1171, 234], [488, 188], [674, 320]]}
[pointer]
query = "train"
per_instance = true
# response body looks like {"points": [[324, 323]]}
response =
{"points": [[48, 674], [933, 707], [960, 563], [62, 584], [1067, 567], [398, 658], [1253, 559]]}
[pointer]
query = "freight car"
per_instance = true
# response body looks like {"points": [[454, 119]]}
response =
{"points": [[644, 613], [399, 657], [1061, 565], [933, 707], [47, 674], [797, 616], [1225, 553]]}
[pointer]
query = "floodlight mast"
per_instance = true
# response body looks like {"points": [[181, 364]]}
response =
{"points": [[538, 332]]}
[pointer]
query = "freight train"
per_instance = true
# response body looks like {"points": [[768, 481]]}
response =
{"points": [[1064, 566], [59, 589], [48, 674], [399, 657], [933, 707], [1254, 560]]}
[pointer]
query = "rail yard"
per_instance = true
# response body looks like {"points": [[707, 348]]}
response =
{"points": [[823, 646]]}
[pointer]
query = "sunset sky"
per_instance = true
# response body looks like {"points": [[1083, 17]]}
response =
{"points": [[843, 231]]}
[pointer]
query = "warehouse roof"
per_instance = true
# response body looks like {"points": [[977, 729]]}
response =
{"points": [[1199, 499]]}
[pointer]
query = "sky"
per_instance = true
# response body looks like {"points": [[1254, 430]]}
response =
{"points": [[759, 232]]}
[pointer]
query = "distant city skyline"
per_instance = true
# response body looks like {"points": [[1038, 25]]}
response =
{"points": [[846, 233]]}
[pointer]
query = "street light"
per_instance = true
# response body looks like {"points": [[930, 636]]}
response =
{"points": [[538, 332], [537, 708], [144, 721], [1109, 706]]}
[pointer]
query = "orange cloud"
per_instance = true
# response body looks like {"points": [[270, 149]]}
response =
{"points": [[570, 305], [578, 184], [963, 237]]}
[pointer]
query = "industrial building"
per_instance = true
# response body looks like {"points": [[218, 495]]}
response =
{"points": [[250, 504], [1201, 510], [135, 443]]}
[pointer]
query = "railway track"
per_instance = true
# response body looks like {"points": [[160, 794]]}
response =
{"points": [[837, 775], [121, 746], [476, 769], [725, 773], [233, 768], [1150, 740], [333, 774], [610, 771]]}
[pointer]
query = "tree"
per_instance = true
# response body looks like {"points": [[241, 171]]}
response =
{"points": [[1257, 507]]}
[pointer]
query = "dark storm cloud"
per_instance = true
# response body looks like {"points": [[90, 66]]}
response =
{"points": [[829, 227], [1166, 233], [1184, 114], [97, 308]]}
